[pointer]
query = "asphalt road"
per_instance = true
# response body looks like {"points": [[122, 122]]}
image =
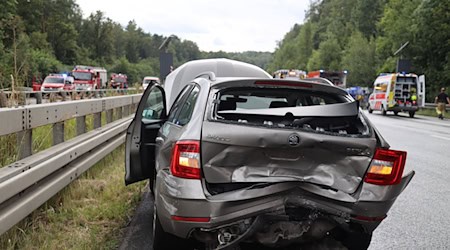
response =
{"points": [[420, 218]]}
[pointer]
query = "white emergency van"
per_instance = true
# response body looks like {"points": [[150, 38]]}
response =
{"points": [[397, 92]]}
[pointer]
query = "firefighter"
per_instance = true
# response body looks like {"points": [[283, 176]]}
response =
{"points": [[441, 100]]}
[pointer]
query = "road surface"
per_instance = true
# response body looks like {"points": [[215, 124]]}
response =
{"points": [[420, 218]]}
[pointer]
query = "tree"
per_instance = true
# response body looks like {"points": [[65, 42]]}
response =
{"points": [[395, 28], [363, 15], [328, 56], [432, 44], [359, 60]]}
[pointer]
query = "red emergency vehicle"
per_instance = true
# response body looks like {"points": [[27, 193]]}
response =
{"points": [[338, 78], [119, 81], [89, 77]]}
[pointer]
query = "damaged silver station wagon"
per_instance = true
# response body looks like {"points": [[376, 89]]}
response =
{"points": [[235, 156]]}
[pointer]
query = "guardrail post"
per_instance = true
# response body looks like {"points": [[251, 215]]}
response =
{"points": [[109, 116], [119, 113], [97, 120], [38, 97], [24, 140], [58, 133], [3, 100], [81, 125], [126, 110]]}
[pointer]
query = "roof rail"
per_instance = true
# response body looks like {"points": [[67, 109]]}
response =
{"points": [[208, 74]]}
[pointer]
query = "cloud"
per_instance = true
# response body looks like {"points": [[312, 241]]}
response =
{"points": [[232, 25]]}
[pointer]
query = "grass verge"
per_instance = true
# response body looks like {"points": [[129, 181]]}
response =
{"points": [[88, 214], [427, 112]]}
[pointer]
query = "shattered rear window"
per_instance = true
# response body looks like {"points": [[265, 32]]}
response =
{"points": [[290, 108]]}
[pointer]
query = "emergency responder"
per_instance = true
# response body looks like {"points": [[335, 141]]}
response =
{"points": [[413, 94], [441, 100]]}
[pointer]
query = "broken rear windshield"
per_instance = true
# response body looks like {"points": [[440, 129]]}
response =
{"points": [[290, 108]]}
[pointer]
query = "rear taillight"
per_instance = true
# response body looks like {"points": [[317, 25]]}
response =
{"points": [[386, 167], [186, 160], [190, 219]]}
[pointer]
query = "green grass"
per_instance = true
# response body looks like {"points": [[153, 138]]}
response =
{"points": [[88, 214], [8, 149], [42, 138], [427, 112]]}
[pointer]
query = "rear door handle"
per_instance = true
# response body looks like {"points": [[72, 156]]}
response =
{"points": [[159, 139]]}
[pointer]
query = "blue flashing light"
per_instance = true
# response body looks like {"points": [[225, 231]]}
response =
{"points": [[321, 71]]}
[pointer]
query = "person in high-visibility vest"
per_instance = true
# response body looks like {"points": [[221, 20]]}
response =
{"points": [[413, 94]]}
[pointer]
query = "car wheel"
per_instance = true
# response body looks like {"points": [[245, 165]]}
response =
{"points": [[356, 241], [383, 111], [163, 240], [369, 109], [353, 240], [395, 112], [411, 114]]}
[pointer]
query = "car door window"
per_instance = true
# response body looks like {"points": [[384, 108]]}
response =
{"points": [[178, 103], [154, 105], [185, 113]]}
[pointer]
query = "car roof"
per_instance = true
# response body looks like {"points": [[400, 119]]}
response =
{"points": [[226, 82], [220, 67]]}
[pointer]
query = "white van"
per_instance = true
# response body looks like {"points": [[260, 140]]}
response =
{"points": [[397, 92], [149, 80]]}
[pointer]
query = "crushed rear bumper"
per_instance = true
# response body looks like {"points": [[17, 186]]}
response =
{"points": [[186, 198]]}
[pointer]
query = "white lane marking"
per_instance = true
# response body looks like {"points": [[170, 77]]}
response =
{"points": [[441, 137]]}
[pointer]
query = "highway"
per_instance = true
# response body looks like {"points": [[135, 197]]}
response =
{"points": [[420, 217]]}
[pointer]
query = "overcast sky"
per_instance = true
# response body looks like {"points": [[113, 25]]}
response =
{"points": [[228, 25]]}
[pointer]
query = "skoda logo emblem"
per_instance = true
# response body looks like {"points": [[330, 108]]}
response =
{"points": [[294, 140]]}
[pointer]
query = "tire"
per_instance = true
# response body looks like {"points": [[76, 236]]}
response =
{"points": [[383, 111], [357, 241], [166, 241], [369, 109], [411, 114], [352, 240], [395, 112]]}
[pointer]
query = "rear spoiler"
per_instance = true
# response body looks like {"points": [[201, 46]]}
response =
{"points": [[329, 110]]}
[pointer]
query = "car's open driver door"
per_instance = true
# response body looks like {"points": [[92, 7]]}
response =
{"points": [[141, 135]]}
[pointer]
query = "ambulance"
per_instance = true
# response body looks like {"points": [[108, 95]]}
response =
{"points": [[397, 92]]}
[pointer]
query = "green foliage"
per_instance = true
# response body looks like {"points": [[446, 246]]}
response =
{"points": [[432, 50], [362, 36], [327, 57], [359, 60]]}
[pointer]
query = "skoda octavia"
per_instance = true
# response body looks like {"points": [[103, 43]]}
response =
{"points": [[234, 156]]}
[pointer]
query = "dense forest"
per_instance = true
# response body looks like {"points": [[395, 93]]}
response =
{"points": [[38, 37], [361, 36], [41, 36]]}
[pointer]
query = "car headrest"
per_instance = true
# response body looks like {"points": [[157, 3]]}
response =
{"points": [[278, 104], [227, 105]]}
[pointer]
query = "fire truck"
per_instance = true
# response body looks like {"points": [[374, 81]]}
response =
{"points": [[397, 92], [119, 81], [294, 74], [89, 78], [338, 78]]}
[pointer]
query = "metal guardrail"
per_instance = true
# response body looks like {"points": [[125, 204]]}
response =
{"points": [[430, 106], [67, 91], [22, 95], [28, 183]]}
